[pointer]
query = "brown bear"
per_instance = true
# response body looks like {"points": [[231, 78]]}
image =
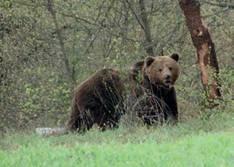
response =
{"points": [[98, 100], [154, 90]]}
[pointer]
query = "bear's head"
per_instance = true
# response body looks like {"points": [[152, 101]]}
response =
{"points": [[161, 70]]}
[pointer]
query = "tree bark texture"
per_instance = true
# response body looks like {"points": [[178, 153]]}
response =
{"points": [[205, 47], [69, 71], [142, 19], [146, 28]]}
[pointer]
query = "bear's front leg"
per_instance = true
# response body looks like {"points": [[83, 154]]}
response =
{"points": [[172, 111]]}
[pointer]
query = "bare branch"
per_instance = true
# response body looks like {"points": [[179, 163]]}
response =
{"points": [[144, 24], [135, 14], [69, 71], [221, 4], [147, 31]]}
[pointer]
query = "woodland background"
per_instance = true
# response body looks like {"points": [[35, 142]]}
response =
{"points": [[49, 47]]}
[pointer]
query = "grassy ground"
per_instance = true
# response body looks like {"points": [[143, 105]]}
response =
{"points": [[199, 142]]}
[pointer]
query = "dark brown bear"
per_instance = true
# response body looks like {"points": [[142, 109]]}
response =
{"points": [[97, 100], [154, 91]]}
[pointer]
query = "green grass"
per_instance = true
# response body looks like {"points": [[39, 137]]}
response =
{"points": [[199, 142]]}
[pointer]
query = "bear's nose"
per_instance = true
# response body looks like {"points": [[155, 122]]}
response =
{"points": [[167, 77]]}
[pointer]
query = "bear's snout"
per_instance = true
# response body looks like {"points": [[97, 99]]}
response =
{"points": [[168, 77], [167, 80]]}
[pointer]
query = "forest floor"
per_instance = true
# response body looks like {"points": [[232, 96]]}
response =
{"points": [[198, 142]]}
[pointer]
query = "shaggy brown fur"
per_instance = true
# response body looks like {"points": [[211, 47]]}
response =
{"points": [[155, 91], [97, 100]]}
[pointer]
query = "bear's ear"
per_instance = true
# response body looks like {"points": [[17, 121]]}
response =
{"points": [[175, 56], [149, 60]]}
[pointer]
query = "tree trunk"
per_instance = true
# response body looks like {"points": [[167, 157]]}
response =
{"points": [[143, 21], [68, 69], [148, 39], [202, 41]]}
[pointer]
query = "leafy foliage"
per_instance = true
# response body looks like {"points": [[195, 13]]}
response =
{"points": [[34, 86]]}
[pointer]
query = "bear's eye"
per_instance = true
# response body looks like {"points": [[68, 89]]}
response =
{"points": [[170, 68], [160, 70]]}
